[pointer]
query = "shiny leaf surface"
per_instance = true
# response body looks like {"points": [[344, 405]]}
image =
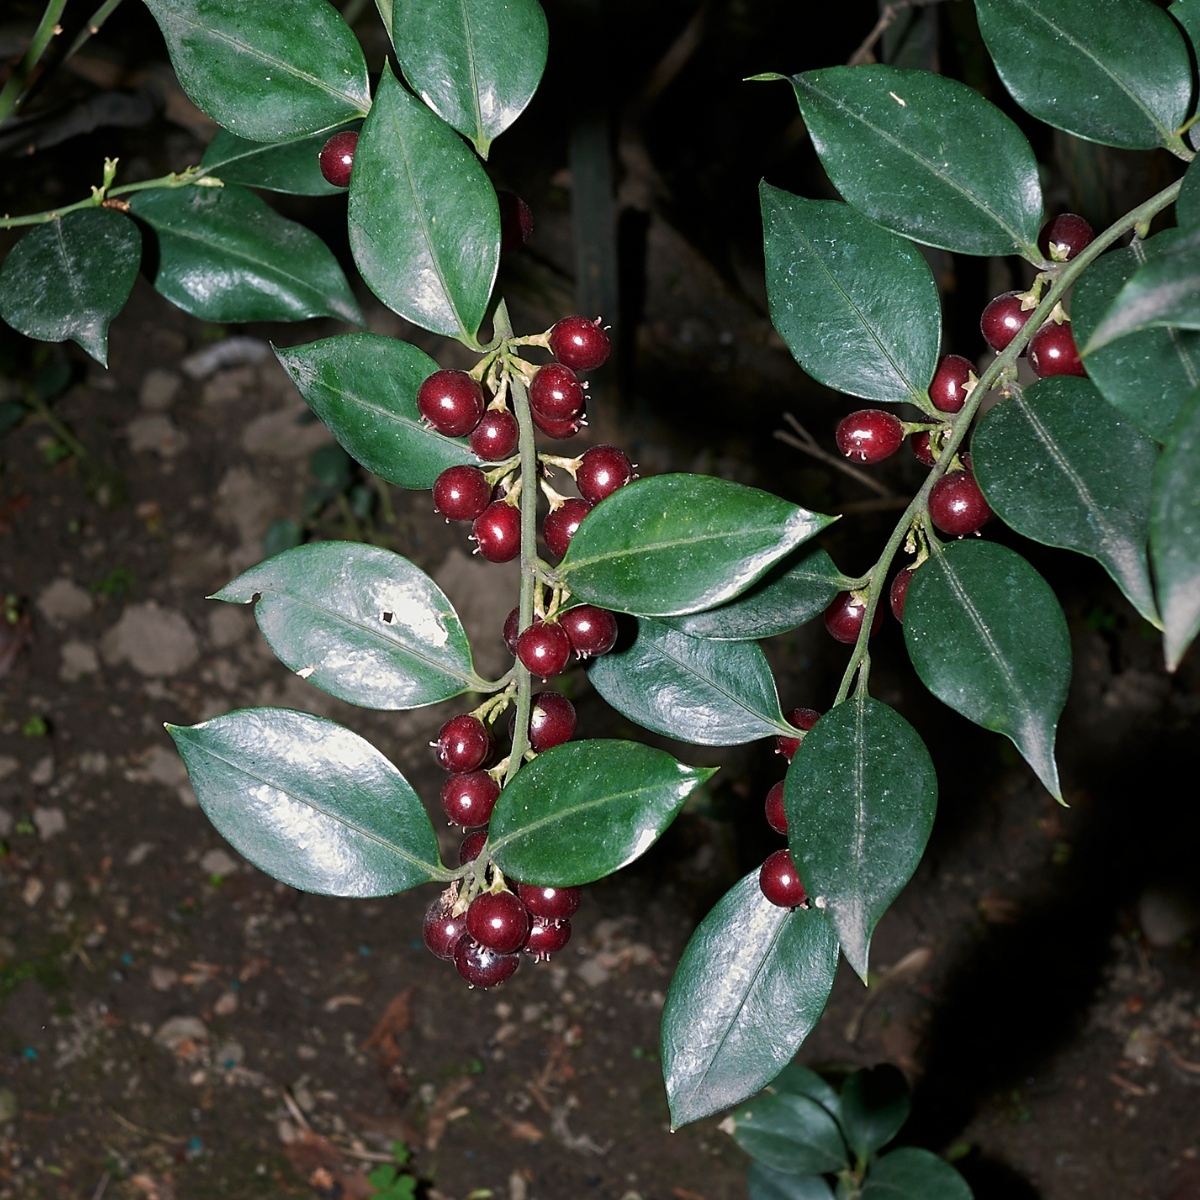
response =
{"points": [[874, 1106], [763, 1183], [790, 1132], [292, 167], [359, 622], [913, 1174], [988, 638], [1187, 203], [750, 987], [309, 803], [798, 1079]]}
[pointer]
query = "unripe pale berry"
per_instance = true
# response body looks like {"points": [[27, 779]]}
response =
{"points": [[579, 343], [337, 157], [949, 381], [461, 493], [559, 526], [602, 470], [1052, 351], [869, 435], [779, 882], [451, 401], [844, 618], [957, 506]]}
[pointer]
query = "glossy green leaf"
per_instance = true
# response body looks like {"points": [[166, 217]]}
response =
{"points": [[293, 167], [860, 797], [1187, 203], [790, 1132], [359, 622], [364, 387], [798, 1079], [874, 1106], [267, 72], [224, 255], [424, 220], [476, 63], [750, 987], [309, 802], [926, 156], [763, 1183], [1060, 465], [583, 810], [913, 1174], [1175, 532], [69, 278], [699, 691], [856, 305], [676, 544], [988, 638], [1146, 374], [1110, 71]]}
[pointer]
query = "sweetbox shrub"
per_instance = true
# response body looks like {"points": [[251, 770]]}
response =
{"points": [[1100, 456]]}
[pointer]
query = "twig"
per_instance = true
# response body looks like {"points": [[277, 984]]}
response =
{"points": [[803, 440], [92, 27], [294, 1109], [48, 28], [866, 52], [102, 1186], [674, 59]]}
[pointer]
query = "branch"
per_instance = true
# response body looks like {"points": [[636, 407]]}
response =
{"points": [[803, 440], [866, 52]]}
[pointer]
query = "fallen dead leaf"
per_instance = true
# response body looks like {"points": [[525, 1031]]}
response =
{"points": [[439, 1114], [153, 1189], [395, 1019], [525, 1131]]}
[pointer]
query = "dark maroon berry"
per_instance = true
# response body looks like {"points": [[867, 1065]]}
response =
{"points": [[468, 799], [1064, 237], [497, 530], [550, 903], [1052, 351], [337, 157], [869, 435], [560, 430], [801, 718], [947, 391], [451, 401], [898, 592], [512, 627], [779, 881], [551, 721], [495, 437], [481, 966], [544, 648], [463, 744], [1003, 319], [441, 931], [957, 506], [602, 470], [499, 921], [546, 938], [844, 618], [461, 493], [559, 526], [920, 447], [556, 393], [592, 630], [579, 343], [470, 849], [776, 817], [516, 222]]}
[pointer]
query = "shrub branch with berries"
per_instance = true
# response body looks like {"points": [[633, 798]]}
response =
{"points": [[1099, 456]]}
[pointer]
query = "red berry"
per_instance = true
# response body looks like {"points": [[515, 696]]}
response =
{"points": [[920, 447], [1003, 319], [512, 627], [592, 630], [441, 931], [451, 401], [602, 470], [481, 966], [550, 903], [949, 381], [463, 744], [1064, 237], [560, 430], [499, 921], [516, 222], [546, 938], [957, 506], [776, 817], [468, 799], [898, 592], [495, 437], [1052, 351], [551, 721], [461, 493], [471, 846], [801, 718], [337, 157], [844, 618], [869, 435], [579, 343], [497, 530], [559, 526], [556, 393], [544, 648], [779, 881]]}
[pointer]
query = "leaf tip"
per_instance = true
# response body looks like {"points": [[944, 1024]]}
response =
{"points": [[763, 77]]}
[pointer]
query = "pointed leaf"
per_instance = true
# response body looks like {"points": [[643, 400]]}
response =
{"points": [[988, 638], [1060, 465], [860, 797], [750, 987], [676, 544], [856, 305], [763, 1183], [360, 623], [1110, 71], [309, 802], [293, 167], [925, 156], [70, 277], [224, 255], [790, 1132], [802, 1081], [364, 387], [874, 1106], [583, 810], [424, 220], [913, 1174], [269, 72]]}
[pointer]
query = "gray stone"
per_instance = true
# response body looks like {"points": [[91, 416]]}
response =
{"points": [[78, 659], [483, 594], [229, 624], [181, 1029], [159, 389], [217, 862], [229, 352], [285, 434], [246, 503], [50, 822], [1166, 916], [156, 432], [62, 601], [43, 771], [155, 641]]}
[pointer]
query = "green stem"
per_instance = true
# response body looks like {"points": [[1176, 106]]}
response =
{"points": [[93, 27], [10, 97], [1005, 361], [64, 435]]}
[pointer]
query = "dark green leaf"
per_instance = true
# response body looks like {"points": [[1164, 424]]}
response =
{"points": [[988, 638], [798, 1079], [1175, 532], [925, 156], [476, 63], [224, 255], [875, 1104], [309, 802], [424, 221], [583, 810], [860, 797], [912, 1174], [1187, 203], [699, 691], [750, 987], [69, 278], [282, 535], [359, 622], [1110, 71], [1060, 465], [293, 167], [12, 413], [790, 1132], [765, 1184], [676, 544], [856, 304], [268, 72], [364, 387]]}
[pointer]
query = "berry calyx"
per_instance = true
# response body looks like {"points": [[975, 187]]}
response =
{"points": [[957, 506], [869, 435], [801, 718], [579, 343], [516, 222], [559, 526], [776, 817], [844, 618], [951, 382], [461, 493], [602, 470], [544, 648], [561, 430], [463, 744], [592, 630], [495, 437], [468, 799], [499, 921], [1052, 351], [497, 532], [556, 393], [441, 931], [550, 903], [451, 401], [920, 447], [337, 157], [898, 592], [546, 938], [1003, 318], [482, 966], [1064, 237], [779, 882], [551, 721], [471, 847]]}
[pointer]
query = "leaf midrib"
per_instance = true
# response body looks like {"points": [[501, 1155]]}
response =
{"points": [[722, 535], [473, 67]]}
